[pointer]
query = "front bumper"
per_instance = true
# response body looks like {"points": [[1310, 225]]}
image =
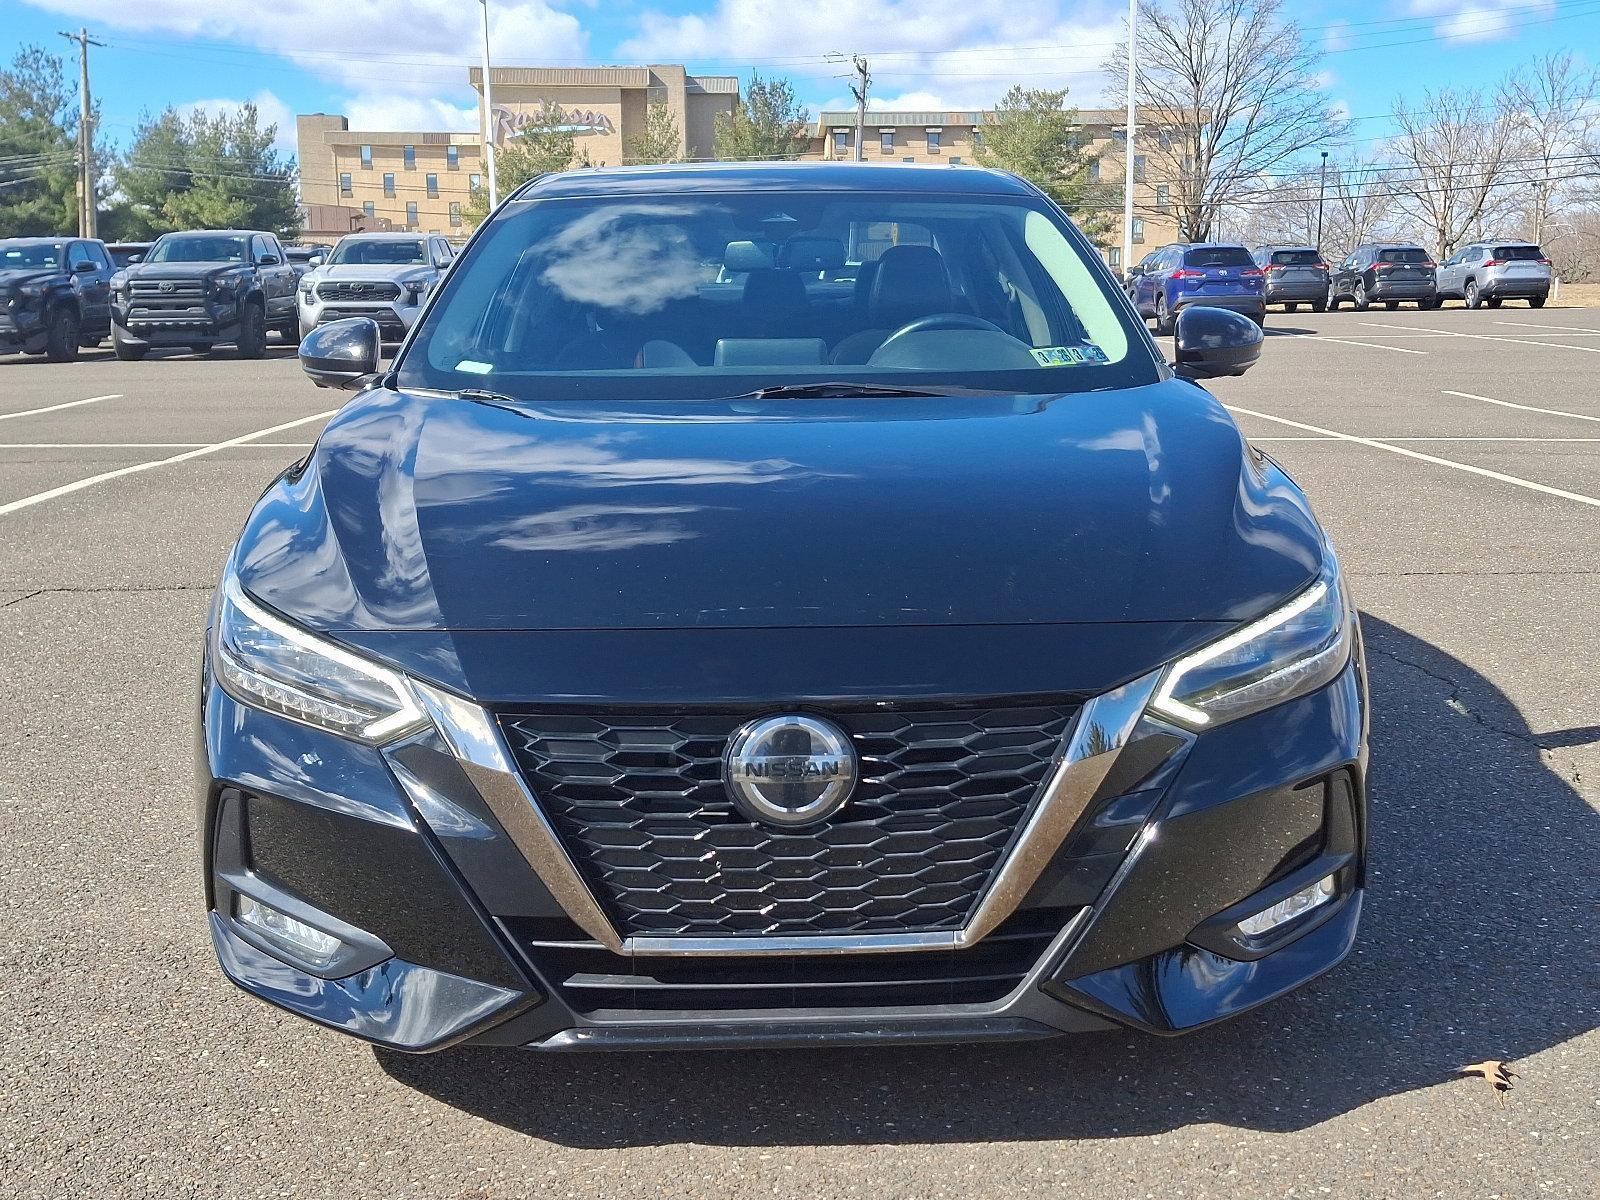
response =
{"points": [[453, 937], [197, 321], [22, 329], [394, 318]]}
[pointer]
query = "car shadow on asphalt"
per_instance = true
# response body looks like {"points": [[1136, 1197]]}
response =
{"points": [[1477, 942]]}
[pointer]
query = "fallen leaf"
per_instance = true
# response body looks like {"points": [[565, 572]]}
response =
{"points": [[1498, 1075]]}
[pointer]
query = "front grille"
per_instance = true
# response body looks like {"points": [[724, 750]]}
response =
{"points": [[597, 983], [639, 804], [160, 288], [347, 290]]}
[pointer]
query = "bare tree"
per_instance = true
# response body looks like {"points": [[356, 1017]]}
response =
{"points": [[1553, 103], [1457, 155], [1361, 203], [1232, 88]]}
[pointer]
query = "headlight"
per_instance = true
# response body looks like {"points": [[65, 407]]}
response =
{"points": [[222, 286], [29, 292], [263, 660], [1287, 653], [416, 290]]}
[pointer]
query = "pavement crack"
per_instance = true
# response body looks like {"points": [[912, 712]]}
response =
{"points": [[20, 599]]}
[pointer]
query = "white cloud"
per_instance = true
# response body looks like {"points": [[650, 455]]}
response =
{"points": [[975, 49], [1479, 20], [269, 109], [386, 113]]}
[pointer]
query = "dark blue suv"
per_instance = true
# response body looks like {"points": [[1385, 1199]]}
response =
{"points": [[1185, 273]]}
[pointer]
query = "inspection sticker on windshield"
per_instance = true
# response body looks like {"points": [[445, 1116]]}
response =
{"points": [[1069, 356], [473, 367]]}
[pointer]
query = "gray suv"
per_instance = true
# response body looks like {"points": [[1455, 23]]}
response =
{"points": [[1490, 272], [1295, 275]]}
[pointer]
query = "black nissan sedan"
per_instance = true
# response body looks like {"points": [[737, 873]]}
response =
{"points": [[780, 605]]}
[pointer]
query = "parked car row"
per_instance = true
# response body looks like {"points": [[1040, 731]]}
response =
{"points": [[198, 289], [1171, 278]]}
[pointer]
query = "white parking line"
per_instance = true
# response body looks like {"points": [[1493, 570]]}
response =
{"points": [[1504, 341], [1318, 337], [1340, 437], [1535, 325], [79, 485], [139, 445], [1417, 454], [1551, 412], [30, 412]]}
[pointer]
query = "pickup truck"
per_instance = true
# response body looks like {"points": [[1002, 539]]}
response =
{"points": [[205, 288], [54, 295]]}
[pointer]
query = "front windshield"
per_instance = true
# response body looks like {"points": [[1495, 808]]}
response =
{"points": [[198, 248], [36, 256], [713, 296], [356, 252]]}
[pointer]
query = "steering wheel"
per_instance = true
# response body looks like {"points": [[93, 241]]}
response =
{"points": [[949, 320]]}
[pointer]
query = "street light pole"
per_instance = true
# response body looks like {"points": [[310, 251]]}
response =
{"points": [[86, 201], [1127, 148], [1322, 192], [488, 116]]}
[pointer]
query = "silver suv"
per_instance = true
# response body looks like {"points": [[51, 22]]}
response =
{"points": [[1490, 272], [385, 276]]}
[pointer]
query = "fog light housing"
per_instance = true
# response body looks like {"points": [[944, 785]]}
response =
{"points": [[310, 945], [1290, 908]]}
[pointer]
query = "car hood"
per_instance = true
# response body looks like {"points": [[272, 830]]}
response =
{"points": [[431, 513], [362, 272], [182, 270], [17, 276]]}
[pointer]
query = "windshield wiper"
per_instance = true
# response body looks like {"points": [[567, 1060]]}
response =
{"points": [[492, 400], [802, 391]]}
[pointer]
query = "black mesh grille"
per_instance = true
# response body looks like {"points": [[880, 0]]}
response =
{"points": [[347, 290], [640, 805], [598, 984]]}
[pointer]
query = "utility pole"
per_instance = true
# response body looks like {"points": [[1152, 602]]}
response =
{"points": [[86, 204], [1322, 192], [488, 116], [860, 90], [1127, 148]]}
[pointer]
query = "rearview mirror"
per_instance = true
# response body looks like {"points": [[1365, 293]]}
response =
{"points": [[135, 258], [267, 260], [341, 354], [1211, 342], [315, 260], [84, 267]]}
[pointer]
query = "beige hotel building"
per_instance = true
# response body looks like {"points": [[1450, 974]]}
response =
{"points": [[357, 180]]}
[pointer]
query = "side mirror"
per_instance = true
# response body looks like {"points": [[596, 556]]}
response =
{"points": [[440, 264], [268, 260], [341, 354], [135, 258], [1211, 342], [314, 261], [84, 267]]}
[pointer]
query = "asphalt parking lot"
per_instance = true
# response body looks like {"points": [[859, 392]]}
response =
{"points": [[1455, 457]]}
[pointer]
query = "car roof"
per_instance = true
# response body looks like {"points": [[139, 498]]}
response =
{"points": [[933, 178], [220, 232], [385, 235], [60, 240]]}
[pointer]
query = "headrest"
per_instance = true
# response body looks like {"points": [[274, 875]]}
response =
{"points": [[813, 254], [748, 256], [770, 352], [911, 282], [771, 290], [865, 274]]}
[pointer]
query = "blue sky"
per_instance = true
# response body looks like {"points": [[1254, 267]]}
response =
{"points": [[401, 64]]}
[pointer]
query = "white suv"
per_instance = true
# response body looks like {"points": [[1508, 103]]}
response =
{"points": [[385, 276]]}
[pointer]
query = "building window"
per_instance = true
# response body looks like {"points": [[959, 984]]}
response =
{"points": [[977, 138], [388, 183], [933, 141], [1094, 168], [344, 184], [433, 186], [411, 214], [1138, 167], [368, 208], [908, 159], [886, 141], [955, 160], [1114, 256], [1138, 229], [474, 182], [841, 142], [455, 212], [1164, 138], [452, 158], [1163, 195], [410, 156], [366, 158]]}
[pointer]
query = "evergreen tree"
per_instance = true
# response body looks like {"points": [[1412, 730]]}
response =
{"points": [[1031, 134], [38, 146], [660, 141], [766, 122], [205, 172], [536, 150]]}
